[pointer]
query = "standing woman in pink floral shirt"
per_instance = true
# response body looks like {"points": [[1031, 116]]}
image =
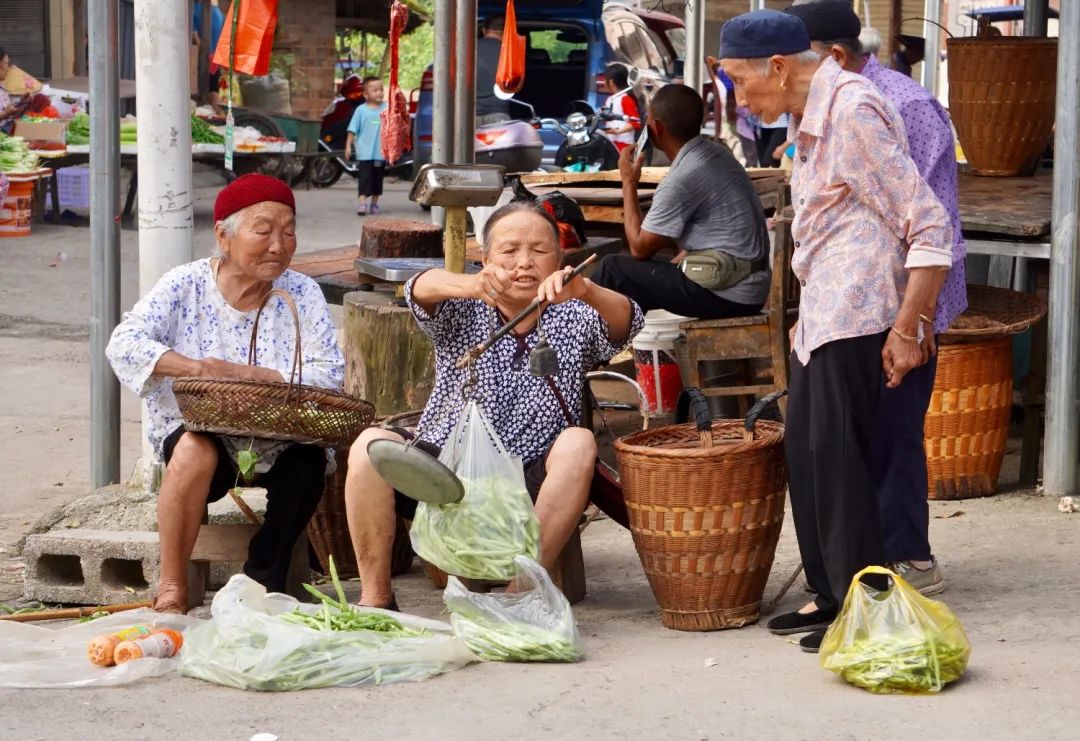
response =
{"points": [[872, 244]]}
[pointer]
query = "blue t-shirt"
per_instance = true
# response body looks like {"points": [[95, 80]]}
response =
{"points": [[366, 126], [217, 21]]}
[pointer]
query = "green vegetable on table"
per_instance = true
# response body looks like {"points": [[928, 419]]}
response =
{"points": [[478, 537], [78, 129], [15, 155], [202, 133]]}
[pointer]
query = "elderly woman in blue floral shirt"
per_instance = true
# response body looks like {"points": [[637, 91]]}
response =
{"points": [[197, 321]]}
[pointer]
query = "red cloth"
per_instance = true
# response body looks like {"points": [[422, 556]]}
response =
{"points": [[247, 190]]}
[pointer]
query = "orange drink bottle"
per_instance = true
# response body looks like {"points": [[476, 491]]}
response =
{"points": [[102, 649], [163, 643]]}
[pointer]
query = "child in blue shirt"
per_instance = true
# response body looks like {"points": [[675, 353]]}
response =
{"points": [[365, 139]]}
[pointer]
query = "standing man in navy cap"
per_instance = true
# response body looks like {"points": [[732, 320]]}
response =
{"points": [[870, 239], [898, 458]]}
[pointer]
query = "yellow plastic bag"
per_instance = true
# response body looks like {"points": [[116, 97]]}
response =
{"points": [[896, 641]]}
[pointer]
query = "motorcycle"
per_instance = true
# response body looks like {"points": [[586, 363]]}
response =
{"points": [[585, 148], [325, 171], [514, 144]]}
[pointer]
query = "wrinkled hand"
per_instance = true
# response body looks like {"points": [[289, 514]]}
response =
{"points": [[778, 153], [555, 289], [679, 257], [217, 368], [630, 168], [899, 357], [491, 283]]}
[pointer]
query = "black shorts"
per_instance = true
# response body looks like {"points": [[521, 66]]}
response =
{"points": [[224, 475], [535, 473], [369, 177]]}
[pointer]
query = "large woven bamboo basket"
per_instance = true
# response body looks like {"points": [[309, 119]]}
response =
{"points": [[1001, 99], [705, 520], [967, 423], [288, 411]]}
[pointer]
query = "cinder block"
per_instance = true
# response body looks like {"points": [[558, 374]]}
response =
{"points": [[91, 567]]}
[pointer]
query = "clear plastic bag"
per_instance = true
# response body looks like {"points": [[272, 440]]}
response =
{"points": [[478, 537], [35, 656], [249, 646], [534, 623], [896, 641]]}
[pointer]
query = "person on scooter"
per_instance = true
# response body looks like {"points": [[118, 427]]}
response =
{"points": [[705, 210], [489, 107], [625, 119], [365, 138]]}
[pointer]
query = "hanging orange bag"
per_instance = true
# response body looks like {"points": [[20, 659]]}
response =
{"points": [[510, 75], [254, 37]]}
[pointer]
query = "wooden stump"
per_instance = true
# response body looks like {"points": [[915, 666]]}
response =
{"points": [[388, 360], [400, 238]]}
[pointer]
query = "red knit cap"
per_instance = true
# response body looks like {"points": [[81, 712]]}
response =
{"points": [[248, 190]]}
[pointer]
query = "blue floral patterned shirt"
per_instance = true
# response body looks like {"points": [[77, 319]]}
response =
{"points": [[185, 312]]}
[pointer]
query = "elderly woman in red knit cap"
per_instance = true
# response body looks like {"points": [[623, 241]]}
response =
{"points": [[197, 321]]}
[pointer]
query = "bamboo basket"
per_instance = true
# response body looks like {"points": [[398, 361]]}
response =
{"points": [[706, 506], [288, 411], [1001, 99], [967, 423], [328, 529]]}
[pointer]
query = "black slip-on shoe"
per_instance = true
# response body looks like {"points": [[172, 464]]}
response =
{"points": [[796, 622], [811, 642]]}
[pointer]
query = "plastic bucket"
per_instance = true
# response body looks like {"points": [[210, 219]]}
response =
{"points": [[655, 360], [15, 210]]}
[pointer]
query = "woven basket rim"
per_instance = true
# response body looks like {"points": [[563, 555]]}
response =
{"points": [[1024, 309], [766, 435], [190, 384]]}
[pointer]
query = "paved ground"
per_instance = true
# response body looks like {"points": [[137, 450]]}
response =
{"points": [[1009, 560]]}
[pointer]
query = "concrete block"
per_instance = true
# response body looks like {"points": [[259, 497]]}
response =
{"points": [[91, 567]]}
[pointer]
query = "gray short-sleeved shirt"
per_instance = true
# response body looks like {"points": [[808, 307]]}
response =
{"points": [[707, 202]]}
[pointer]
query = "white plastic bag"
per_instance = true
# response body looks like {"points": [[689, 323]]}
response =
{"points": [[247, 645], [478, 537], [534, 623], [36, 656]]}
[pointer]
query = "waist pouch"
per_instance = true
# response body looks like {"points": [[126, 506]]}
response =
{"points": [[715, 270]]}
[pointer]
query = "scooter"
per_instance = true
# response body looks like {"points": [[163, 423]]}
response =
{"points": [[325, 171], [585, 148], [514, 144]]}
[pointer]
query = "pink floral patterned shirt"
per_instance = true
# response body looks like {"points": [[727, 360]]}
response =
{"points": [[863, 215]]}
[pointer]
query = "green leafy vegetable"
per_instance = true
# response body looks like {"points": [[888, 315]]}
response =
{"points": [[202, 133], [245, 461]]}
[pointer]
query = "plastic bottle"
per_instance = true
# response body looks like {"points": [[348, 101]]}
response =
{"points": [[102, 649], [161, 644]]}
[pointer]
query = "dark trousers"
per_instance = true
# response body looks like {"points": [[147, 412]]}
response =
{"points": [[832, 405], [898, 465], [658, 284], [294, 486]]}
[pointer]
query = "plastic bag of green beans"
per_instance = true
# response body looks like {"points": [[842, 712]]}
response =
{"points": [[896, 641], [533, 623], [478, 537]]}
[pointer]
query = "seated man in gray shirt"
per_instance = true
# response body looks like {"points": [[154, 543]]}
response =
{"points": [[706, 205]]}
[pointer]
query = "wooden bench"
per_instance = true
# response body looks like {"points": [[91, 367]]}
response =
{"points": [[229, 543]]}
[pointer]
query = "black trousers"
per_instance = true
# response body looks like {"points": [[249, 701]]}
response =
{"points": [[832, 405], [294, 486], [658, 284], [898, 465]]}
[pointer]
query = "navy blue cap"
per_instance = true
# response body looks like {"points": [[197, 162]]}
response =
{"points": [[828, 20], [763, 33]]}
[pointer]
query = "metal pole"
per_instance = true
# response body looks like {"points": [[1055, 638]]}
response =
{"points": [[465, 82], [932, 34], [163, 91], [1036, 14], [1062, 402], [695, 11], [442, 104], [104, 239]]}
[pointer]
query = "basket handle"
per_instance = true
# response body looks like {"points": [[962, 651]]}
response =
{"points": [[297, 374], [757, 409], [692, 400]]}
